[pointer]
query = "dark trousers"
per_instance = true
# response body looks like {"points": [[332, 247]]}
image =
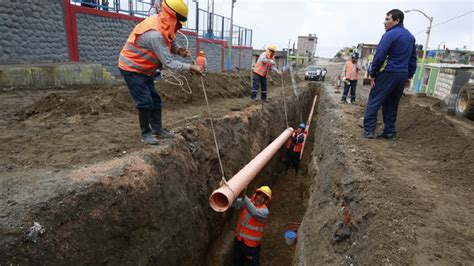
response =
{"points": [[352, 86], [142, 89], [386, 94], [292, 159], [244, 253], [257, 79]]}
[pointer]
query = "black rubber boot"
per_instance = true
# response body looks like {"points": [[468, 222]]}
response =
{"points": [[144, 119], [156, 126]]}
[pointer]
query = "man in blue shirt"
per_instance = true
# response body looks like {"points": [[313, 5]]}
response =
{"points": [[394, 63]]}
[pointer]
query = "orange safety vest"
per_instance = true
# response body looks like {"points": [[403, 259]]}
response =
{"points": [[249, 229], [262, 68], [201, 62], [138, 59], [349, 66], [298, 146]]}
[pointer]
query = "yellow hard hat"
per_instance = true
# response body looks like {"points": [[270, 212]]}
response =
{"points": [[180, 9], [265, 190], [272, 47]]}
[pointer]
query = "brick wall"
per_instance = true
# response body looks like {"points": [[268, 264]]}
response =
{"points": [[32, 32]]}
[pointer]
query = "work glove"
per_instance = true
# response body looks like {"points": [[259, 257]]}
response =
{"points": [[184, 53], [196, 69]]}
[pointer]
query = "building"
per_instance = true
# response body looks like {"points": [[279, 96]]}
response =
{"points": [[443, 81], [307, 45], [366, 53]]}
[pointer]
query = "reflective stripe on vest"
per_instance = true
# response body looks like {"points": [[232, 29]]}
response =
{"points": [[249, 229], [352, 72], [262, 68], [245, 223], [135, 58]]}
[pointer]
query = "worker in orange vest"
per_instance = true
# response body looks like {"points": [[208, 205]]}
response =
{"points": [[294, 147], [265, 63], [201, 60], [148, 48], [350, 75], [249, 230]]}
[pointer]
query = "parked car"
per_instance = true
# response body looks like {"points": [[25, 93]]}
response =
{"points": [[313, 73]]}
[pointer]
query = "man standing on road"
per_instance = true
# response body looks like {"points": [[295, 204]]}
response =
{"points": [[394, 64], [249, 231], [262, 68], [149, 47], [350, 72]]}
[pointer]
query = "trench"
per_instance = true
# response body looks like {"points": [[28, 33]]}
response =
{"points": [[151, 206]]}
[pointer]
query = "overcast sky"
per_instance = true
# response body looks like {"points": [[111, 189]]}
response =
{"points": [[345, 23]]}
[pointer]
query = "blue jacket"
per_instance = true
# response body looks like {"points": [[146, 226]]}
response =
{"points": [[398, 47]]}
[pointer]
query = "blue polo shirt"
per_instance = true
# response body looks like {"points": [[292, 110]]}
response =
{"points": [[397, 46]]}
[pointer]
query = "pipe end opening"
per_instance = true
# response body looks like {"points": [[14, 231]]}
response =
{"points": [[219, 202]]}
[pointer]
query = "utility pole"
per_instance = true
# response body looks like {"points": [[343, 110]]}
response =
{"points": [[229, 61], [428, 31]]}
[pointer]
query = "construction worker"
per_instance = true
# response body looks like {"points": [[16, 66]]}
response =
{"points": [[265, 63], [350, 73], [149, 47], [201, 60], [249, 230], [294, 147], [323, 74], [394, 64]]}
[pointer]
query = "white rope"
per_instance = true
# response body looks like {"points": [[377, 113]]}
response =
{"points": [[210, 119], [284, 101]]}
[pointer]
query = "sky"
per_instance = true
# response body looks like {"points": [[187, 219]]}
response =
{"points": [[340, 23]]}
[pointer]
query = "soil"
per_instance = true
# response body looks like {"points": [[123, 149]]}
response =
{"points": [[411, 200]]}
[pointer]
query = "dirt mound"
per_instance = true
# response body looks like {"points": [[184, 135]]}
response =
{"points": [[411, 199]]}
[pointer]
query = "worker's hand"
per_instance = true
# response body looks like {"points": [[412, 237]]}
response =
{"points": [[280, 72], [407, 83], [184, 53], [372, 83], [196, 69], [272, 61]]}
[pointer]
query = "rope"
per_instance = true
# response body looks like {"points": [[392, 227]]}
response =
{"points": [[210, 119], [284, 101], [168, 75], [213, 132]]}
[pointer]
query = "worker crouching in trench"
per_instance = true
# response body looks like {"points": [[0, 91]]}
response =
{"points": [[249, 230], [294, 147]]}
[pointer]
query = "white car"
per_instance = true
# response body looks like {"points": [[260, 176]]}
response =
{"points": [[313, 73]]}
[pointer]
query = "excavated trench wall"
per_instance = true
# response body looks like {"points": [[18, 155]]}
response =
{"points": [[150, 207], [335, 182]]}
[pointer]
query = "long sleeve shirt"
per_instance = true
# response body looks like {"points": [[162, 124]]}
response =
{"points": [[263, 58], [261, 214], [395, 53], [154, 41]]}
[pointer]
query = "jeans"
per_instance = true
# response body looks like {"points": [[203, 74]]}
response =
{"points": [[142, 89], [257, 79], [244, 253], [386, 94], [353, 86]]}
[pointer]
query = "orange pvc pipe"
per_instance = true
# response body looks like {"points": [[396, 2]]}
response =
{"points": [[308, 123], [222, 198]]}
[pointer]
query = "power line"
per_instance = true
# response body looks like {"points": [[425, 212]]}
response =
{"points": [[446, 21]]}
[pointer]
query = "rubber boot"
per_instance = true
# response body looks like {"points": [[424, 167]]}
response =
{"points": [[156, 126], [144, 119]]}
